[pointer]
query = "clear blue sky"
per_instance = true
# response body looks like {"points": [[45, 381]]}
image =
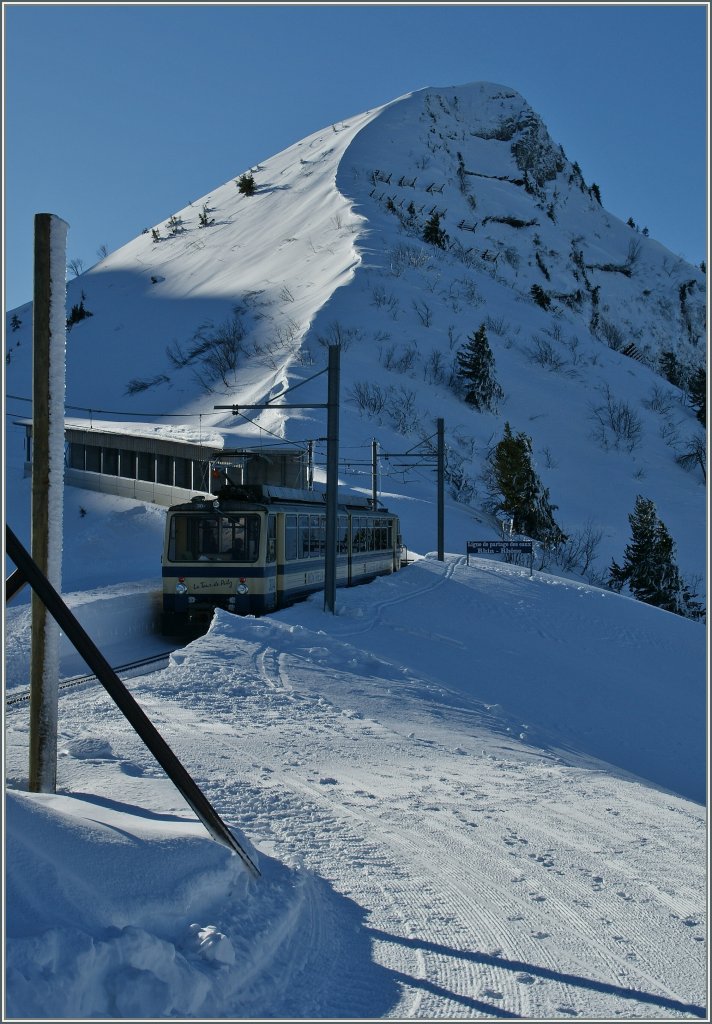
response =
{"points": [[116, 115]]}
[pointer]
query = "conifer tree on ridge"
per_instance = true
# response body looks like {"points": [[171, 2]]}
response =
{"points": [[517, 490], [476, 372], [649, 567]]}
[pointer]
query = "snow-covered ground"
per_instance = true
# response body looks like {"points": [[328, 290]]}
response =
{"points": [[471, 792]]}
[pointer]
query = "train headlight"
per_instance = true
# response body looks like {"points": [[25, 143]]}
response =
{"points": [[181, 587], [242, 588]]}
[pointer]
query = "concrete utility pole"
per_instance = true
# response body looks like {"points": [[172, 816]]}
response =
{"points": [[374, 474], [332, 462], [49, 331], [439, 455], [332, 477]]}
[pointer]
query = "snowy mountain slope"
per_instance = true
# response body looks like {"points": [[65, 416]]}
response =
{"points": [[422, 778], [149, 295], [471, 792], [327, 251]]}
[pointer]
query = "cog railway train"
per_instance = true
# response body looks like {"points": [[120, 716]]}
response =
{"points": [[255, 548]]}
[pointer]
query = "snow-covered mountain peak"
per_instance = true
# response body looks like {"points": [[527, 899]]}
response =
{"points": [[237, 295]]}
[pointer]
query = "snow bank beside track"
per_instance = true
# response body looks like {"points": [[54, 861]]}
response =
{"points": [[119, 619]]}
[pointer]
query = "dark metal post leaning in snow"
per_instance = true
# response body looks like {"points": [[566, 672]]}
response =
{"points": [[441, 490], [126, 703], [49, 331], [332, 477]]}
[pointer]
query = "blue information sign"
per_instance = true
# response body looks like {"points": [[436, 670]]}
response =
{"points": [[499, 547]]}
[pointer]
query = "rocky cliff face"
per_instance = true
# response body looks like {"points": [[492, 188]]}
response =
{"points": [[513, 205]]}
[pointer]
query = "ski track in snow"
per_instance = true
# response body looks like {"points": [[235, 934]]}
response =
{"points": [[442, 873], [474, 920]]}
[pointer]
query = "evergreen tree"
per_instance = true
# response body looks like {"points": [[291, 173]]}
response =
{"points": [[698, 393], [670, 368], [476, 372], [433, 233], [541, 297], [78, 312], [246, 185], [649, 567], [517, 489], [175, 225], [204, 221]]}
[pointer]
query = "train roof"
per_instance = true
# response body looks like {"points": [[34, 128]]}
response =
{"points": [[235, 496]]}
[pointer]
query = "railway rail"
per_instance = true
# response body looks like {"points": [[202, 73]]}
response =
{"points": [[156, 660]]}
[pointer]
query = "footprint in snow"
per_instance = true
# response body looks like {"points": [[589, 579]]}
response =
{"points": [[492, 993]]}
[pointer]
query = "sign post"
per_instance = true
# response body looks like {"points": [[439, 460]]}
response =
{"points": [[499, 547]]}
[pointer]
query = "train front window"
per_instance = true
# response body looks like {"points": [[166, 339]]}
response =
{"points": [[214, 538]]}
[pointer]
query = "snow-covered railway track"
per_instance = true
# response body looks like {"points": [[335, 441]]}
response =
{"points": [[144, 665]]}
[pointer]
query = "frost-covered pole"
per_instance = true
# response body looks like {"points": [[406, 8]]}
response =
{"points": [[441, 490], [49, 332]]}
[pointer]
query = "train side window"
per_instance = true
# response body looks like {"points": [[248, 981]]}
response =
{"points": [[271, 538], [290, 538], [359, 533], [343, 536], [304, 536], [315, 536], [252, 531]]}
